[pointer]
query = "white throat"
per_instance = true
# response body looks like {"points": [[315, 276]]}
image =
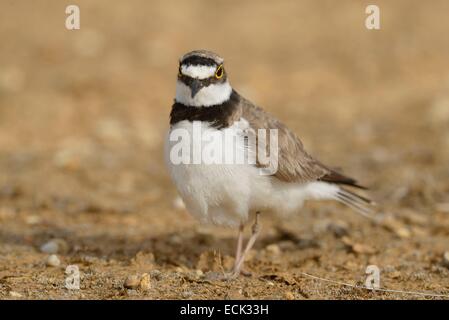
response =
{"points": [[208, 96]]}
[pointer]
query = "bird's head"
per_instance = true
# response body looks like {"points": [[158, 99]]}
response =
{"points": [[202, 80]]}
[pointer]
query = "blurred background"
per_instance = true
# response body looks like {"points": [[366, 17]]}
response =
{"points": [[83, 115]]}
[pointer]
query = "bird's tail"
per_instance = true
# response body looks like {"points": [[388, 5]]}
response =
{"points": [[325, 190], [360, 204]]}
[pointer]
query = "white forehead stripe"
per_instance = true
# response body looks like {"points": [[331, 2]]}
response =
{"points": [[198, 71]]}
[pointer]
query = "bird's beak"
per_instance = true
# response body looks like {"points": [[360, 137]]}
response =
{"points": [[195, 87]]}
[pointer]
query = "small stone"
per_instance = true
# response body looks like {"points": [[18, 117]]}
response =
{"points": [[289, 295], [395, 275], [175, 239], [32, 219], [178, 204], [446, 259], [90, 260], [50, 247], [351, 265], [234, 294], [15, 294], [199, 273], [209, 261], [145, 282], [156, 274], [143, 259], [415, 218], [363, 248], [403, 233], [273, 249], [132, 282], [213, 276], [132, 292], [287, 245], [53, 261], [187, 294], [419, 231], [396, 227], [358, 247], [54, 246], [179, 269]]}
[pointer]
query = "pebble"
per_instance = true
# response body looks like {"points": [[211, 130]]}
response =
{"points": [[54, 246], [50, 247], [395, 275], [289, 295], [15, 294], [273, 249], [415, 218], [132, 282], [396, 227], [33, 219], [213, 276], [363, 248], [53, 261], [178, 204], [175, 239], [156, 274], [199, 273], [446, 259], [358, 247], [287, 245], [145, 282], [143, 259], [234, 295], [187, 294]]}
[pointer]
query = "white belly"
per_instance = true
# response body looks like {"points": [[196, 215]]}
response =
{"points": [[215, 193], [226, 194]]}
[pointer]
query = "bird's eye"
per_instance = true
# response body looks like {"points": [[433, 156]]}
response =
{"points": [[219, 72]]}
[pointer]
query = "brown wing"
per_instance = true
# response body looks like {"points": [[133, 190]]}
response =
{"points": [[294, 163]]}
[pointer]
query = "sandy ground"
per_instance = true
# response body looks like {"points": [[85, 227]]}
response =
{"points": [[83, 116]]}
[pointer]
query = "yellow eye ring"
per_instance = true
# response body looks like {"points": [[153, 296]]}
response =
{"points": [[219, 72]]}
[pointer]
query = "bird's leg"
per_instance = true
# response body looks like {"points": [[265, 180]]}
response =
{"points": [[255, 230], [238, 252]]}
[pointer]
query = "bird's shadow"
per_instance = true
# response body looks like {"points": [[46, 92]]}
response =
{"points": [[174, 248]]}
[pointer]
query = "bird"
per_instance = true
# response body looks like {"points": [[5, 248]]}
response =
{"points": [[230, 193]]}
